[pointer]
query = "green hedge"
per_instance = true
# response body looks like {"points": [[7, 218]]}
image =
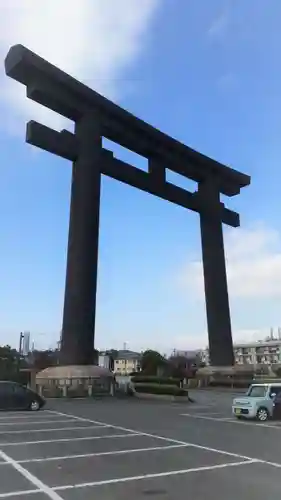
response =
{"points": [[266, 380], [170, 390], [77, 392], [143, 379], [52, 392], [236, 383]]}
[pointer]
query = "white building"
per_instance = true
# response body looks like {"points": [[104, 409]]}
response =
{"points": [[265, 352], [127, 362], [26, 343], [104, 361]]}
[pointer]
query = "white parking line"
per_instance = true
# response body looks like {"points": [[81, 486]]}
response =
{"points": [[171, 440], [65, 440], [34, 422], [232, 420], [61, 429], [151, 476], [54, 489], [212, 413], [102, 453], [49, 492], [27, 415], [19, 493], [202, 407]]}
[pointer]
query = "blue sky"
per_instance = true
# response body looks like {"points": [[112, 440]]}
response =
{"points": [[209, 74]]}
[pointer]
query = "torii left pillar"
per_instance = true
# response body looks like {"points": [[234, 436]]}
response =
{"points": [[78, 329]]}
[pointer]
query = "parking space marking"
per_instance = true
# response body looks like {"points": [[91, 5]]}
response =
{"points": [[232, 420], [84, 438], [61, 429], [15, 413], [212, 413], [33, 422], [27, 415], [19, 493], [54, 489], [103, 453], [30, 477], [20, 416], [153, 475], [50, 411], [171, 440], [203, 407], [207, 417]]}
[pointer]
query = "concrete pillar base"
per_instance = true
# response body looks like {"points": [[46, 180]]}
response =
{"points": [[228, 376], [225, 370], [74, 381]]}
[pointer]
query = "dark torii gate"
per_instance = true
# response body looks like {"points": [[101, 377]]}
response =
{"points": [[96, 117]]}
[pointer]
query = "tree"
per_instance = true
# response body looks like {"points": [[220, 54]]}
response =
{"points": [[10, 363], [8, 355], [183, 367], [152, 362], [43, 359], [277, 371]]}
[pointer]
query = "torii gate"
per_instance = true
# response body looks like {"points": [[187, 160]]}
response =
{"points": [[96, 117]]}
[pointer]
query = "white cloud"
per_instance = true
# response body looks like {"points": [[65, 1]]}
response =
{"points": [[251, 335], [220, 24], [253, 259], [93, 40]]}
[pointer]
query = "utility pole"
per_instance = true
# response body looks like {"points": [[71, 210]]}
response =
{"points": [[20, 342]]}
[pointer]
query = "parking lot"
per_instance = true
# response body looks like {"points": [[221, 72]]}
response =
{"points": [[116, 449]]}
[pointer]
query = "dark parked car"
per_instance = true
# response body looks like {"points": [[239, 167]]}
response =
{"points": [[14, 396]]}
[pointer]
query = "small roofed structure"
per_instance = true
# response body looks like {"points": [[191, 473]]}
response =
{"points": [[75, 381]]}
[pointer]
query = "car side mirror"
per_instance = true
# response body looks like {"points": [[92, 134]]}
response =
{"points": [[273, 395]]}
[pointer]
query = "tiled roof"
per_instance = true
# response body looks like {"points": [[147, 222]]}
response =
{"points": [[126, 354]]}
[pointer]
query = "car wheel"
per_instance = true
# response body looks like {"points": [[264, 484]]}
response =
{"points": [[262, 414], [34, 406]]}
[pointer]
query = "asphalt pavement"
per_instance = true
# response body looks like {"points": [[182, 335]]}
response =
{"points": [[124, 449]]}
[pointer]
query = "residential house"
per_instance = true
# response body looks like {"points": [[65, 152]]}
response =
{"points": [[127, 362]]}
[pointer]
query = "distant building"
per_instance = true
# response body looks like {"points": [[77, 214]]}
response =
{"points": [[104, 360], [253, 353], [127, 362], [267, 352], [189, 354], [26, 343], [195, 357]]}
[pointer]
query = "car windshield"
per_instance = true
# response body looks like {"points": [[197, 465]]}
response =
{"points": [[257, 391]]}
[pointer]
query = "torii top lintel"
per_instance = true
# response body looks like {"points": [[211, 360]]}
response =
{"points": [[73, 98]]}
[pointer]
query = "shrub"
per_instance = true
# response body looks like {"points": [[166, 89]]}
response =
{"points": [[77, 392], [143, 379], [277, 371], [231, 382], [266, 380], [52, 392], [170, 390]]}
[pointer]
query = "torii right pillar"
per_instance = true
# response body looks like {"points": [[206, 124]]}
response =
{"points": [[215, 278]]}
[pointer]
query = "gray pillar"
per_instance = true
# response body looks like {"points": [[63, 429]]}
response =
{"points": [[215, 280], [82, 256]]}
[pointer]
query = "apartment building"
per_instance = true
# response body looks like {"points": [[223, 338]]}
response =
{"points": [[265, 352], [127, 362]]}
